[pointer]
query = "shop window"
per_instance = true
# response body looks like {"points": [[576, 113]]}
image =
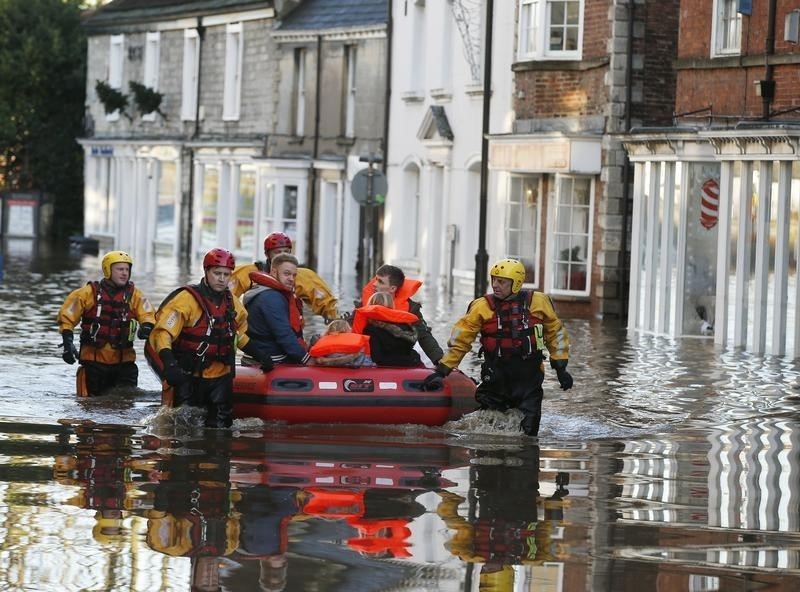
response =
{"points": [[523, 224], [571, 235], [700, 278], [281, 210], [726, 28], [550, 29], [210, 201], [245, 212], [101, 213], [167, 198]]}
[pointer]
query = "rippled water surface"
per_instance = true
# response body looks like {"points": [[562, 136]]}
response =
{"points": [[671, 465]]}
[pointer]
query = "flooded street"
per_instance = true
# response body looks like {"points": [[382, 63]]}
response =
{"points": [[671, 465]]}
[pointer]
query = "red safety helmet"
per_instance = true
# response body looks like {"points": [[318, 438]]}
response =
{"points": [[219, 258], [276, 240]]}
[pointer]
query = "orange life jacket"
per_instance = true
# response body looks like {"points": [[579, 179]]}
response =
{"points": [[404, 292], [340, 343], [295, 304], [380, 313]]}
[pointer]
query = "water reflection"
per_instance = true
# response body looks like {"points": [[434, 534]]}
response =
{"points": [[294, 508]]}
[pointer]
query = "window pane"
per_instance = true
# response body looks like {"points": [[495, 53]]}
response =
{"points": [[290, 201], [571, 239], [208, 223], [165, 215], [522, 224], [245, 232]]}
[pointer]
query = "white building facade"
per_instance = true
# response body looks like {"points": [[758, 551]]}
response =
{"points": [[434, 145]]}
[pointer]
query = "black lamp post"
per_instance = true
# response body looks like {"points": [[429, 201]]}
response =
{"points": [[482, 257]]}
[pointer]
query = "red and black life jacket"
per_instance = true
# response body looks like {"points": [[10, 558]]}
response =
{"points": [[512, 330], [295, 304], [212, 337], [109, 320]]}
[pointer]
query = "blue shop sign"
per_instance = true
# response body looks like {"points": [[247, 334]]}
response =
{"points": [[102, 151]]}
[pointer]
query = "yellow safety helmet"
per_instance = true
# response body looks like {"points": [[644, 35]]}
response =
{"points": [[114, 257], [511, 269]]}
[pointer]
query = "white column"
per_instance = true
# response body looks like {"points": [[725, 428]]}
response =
{"points": [[761, 278], [723, 253], [743, 255], [650, 261], [667, 255], [682, 171], [781, 273], [637, 222]]}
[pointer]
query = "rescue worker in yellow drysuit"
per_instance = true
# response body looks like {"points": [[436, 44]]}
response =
{"points": [[309, 287], [515, 327], [193, 345], [108, 312]]}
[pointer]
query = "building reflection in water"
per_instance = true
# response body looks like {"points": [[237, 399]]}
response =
{"points": [[725, 502]]}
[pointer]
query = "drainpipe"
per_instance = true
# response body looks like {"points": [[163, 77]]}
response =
{"points": [[188, 205], [624, 276], [385, 141], [768, 84], [482, 256], [312, 175]]}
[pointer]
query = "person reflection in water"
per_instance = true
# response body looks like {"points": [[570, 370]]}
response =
{"points": [[265, 516], [192, 511], [504, 527]]}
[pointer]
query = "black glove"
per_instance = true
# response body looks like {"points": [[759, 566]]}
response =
{"points": [[434, 380], [70, 354], [564, 377], [144, 331], [264, 360], [172, 373]]}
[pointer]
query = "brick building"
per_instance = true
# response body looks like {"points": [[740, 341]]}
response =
{"points": [[717, 193], [584, 72]]}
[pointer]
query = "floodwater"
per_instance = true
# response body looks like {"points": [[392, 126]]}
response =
{"points": [[671, 465]]}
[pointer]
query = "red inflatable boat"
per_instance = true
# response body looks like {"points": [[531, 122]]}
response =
{"points": [[324, 394]]}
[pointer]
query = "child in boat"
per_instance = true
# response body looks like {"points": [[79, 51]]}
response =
{"points": [[339, 346], [391, 332]]}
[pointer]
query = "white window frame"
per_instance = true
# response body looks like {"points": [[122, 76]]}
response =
{"points": [[350, 91], [232, 91], [152, 51], [116, 65], [725, 15], [191, 70], [534, 22], [300, 55], [513, 224], [553, 235]]}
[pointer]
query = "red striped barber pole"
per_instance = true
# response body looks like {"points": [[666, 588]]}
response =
{"points": [[709, 204]]}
